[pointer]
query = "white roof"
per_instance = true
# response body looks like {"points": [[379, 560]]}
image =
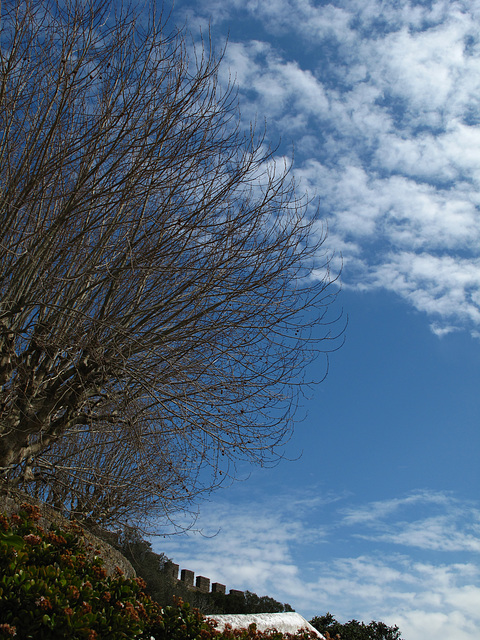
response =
{"points": [[289, 622]]}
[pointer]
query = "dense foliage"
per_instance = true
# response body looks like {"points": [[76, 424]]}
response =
{"points": [[354, 630], [53, 586], [246, 602]]}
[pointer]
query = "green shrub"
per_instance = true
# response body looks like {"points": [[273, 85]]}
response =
{"points": [[183, 622], [50, 588], [354, 630]]}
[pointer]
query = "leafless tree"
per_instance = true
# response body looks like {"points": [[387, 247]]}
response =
{"points": [[157, 308]]}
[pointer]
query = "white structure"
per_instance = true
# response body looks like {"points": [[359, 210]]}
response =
{"points": [[290, 622]]}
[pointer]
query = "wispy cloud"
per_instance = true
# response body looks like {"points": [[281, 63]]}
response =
{"points": [[241, 547], [374, 513], [439, 534], [278, 549], [382, 101], [423, 599], [444, 524]]}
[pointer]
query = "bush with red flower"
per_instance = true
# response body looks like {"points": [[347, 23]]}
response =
{"points": [[48, 588]]}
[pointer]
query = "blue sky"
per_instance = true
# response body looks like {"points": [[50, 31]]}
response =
{"points": [[380, 516]]}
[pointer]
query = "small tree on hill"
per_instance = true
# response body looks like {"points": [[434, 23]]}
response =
{"points": [[355, 630]]}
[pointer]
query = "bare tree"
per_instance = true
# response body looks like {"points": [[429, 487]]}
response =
{"points": [[157, 308]]}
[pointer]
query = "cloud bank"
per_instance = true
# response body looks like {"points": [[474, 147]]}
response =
{"points": [[268, 548], [382, 100]]}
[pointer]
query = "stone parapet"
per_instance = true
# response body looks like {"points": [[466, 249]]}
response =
{"points": [[200, 583]]}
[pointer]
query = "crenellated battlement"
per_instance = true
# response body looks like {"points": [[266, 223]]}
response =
{"points": [[200, 583]]}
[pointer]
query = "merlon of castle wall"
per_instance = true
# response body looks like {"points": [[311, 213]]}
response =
{"points": [[200, 583]]}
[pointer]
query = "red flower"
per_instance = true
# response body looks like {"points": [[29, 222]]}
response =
{"points": [[86, 607], [141, 583], [8, 629], [99, 572], [67, 559], [33, 512], [130, 611], [73, 593], [44, 603], [55, 540]]}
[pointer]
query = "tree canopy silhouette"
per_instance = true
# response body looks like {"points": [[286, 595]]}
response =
{"points": [[354, 630], [157, 302]]}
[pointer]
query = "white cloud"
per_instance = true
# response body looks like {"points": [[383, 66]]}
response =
{"points": [[440, 286], [442, 158], [385, 120], [278, 549], [422, 67], [444, 330], [244, 547], [399, 230], [374, 512], [282, 91], [451, 526], [438, 534], [422, 599]]}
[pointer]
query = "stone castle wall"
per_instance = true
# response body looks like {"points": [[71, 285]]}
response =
{"points": [[201, 583]]}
